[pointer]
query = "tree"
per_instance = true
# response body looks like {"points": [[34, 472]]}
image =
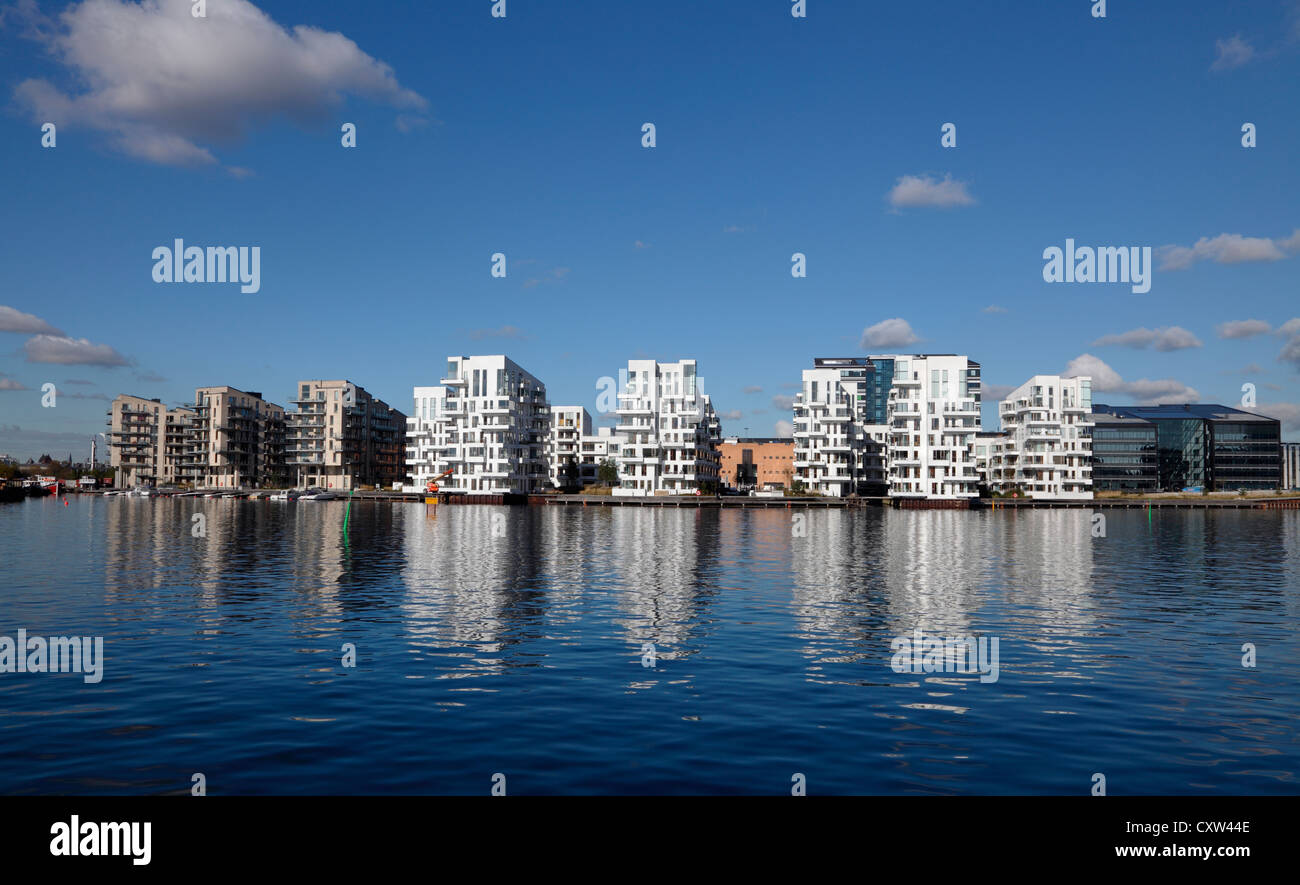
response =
{"points": [[607, 473], [571, 473]]}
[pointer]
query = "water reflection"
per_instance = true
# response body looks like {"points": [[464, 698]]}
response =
{"points": [[525, 626]]}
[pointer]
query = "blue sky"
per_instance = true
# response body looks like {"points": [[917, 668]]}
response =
{"points": [[522, 135]]}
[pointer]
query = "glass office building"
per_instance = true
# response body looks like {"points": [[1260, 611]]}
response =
{"points": [[1123, 454], [1172, 447]]}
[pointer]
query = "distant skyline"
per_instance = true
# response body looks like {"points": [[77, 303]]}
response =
{"points": [[523, 136]]}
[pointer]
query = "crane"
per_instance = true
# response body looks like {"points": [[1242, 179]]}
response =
{"points": [[432, 487]]}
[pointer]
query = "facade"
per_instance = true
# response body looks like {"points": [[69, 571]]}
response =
{"points": [[341, 437], [670, 432], [569, 424], [827, 446], [988, 445], [1047, 452], [1291, 465], [238, 439], [422, 441], [1189, 445], [756, 463], [489, 428], [149, 444], [1123, 454], [604, 445], [934, 414]]}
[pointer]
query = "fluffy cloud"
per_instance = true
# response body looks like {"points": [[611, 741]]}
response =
{"points": [[11, 384], [995, 392], [783, 430], [1228, 249], [1144, 391], [1231, 53], [888, 334], [927, 192], [784, 403], [71, 352], [1163, 339], [753, 388], [161, 84], [1287, 413], [16, 321], [733, 415], [1243, 328]]}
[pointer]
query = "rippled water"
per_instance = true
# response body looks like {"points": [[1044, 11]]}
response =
{"points": [[496, 639]]}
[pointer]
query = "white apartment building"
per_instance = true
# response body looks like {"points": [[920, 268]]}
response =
{"points": [[1290, 465], [489, 425], [598, 448], [987, 446], [934, 414], [838, 451], [422, 441], [670, 432], [1047, 452], [569, 424]]}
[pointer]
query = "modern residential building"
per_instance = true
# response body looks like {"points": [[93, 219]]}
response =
{"points": [[988, 445], [934, 414], [840, 445], [238, 439], [489, 428], [604, 445], [1047, 452], [752, 463], [422, 442], [1291, 465], [341, 437], [669, 428], [569, 424], [1189, 445], [149, 444]]}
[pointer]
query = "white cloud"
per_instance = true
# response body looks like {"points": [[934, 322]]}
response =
{"points": [[11, 384], [1287, 413], [1163, 339], [1290, 327], [995, 392], [1145, 391], [1243, 328], [928, 192], [1227, 249], [71, 352], [1291, 352], [784, 403], [783, 430], [733, 415], [12, 320], [886, 334], [163, 85], [994, 308], [753, 388], [1231, 53]]}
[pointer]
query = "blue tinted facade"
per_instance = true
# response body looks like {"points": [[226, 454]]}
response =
{"points": [[1171, 447]]}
